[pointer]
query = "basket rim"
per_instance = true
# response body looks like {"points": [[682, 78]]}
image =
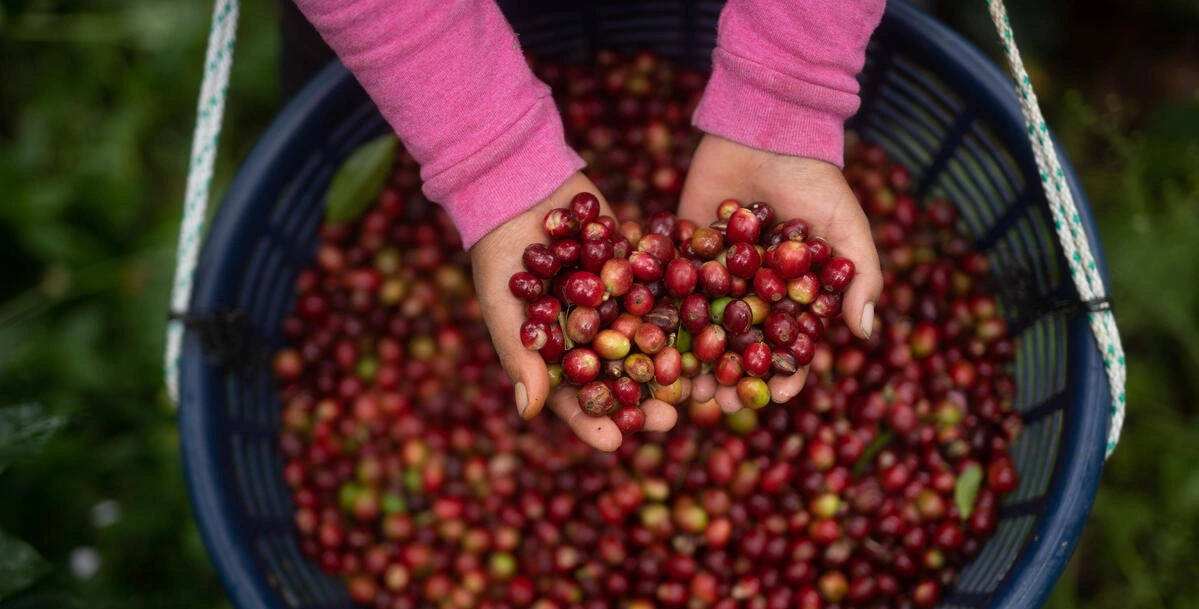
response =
{"points": [[1077, 471], [209, 490], [1076, 474]]}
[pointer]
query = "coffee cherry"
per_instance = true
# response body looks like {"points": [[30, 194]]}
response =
{"points": [[715, 280], [693, 313], [646, 268], [629, 419], [580, 365], [681, 278], [657, 245], [727, 208], [539, 260], [582, 325], [596, 399], [584, 289], [790, 259], [534, 334], [526, 286], [585, 207], [567, 251], [561, 222], [737, 316], [626, 391], [1001, 475], [804, 288], [706, 242], [784, 363], [781, 329], [836, 274], [757, 359], [769, 286], [596, 253], [743, 260], [819, 251], [639, 367], [668, 366], [545, 308], [555, 344], [729, 369], [753, 392], [743, 227], [826, 304], [709, 343], [611, 345], [638, 300]]}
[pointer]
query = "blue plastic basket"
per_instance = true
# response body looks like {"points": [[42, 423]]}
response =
{"points": [[935, 102]]}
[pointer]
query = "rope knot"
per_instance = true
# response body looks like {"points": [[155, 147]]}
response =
{"points": [[226, 336], [1019, 288]]}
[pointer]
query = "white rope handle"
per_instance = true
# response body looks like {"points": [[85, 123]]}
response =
{"points": [[1068, 225], [209, 112]]}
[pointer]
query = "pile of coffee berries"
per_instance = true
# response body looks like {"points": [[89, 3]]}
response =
{"points": [[625, 311], [416, 483]]}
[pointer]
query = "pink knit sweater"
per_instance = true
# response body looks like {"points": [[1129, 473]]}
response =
{"points": [[450, 77]]}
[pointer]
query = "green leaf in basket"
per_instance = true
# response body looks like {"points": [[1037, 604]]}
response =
{"points": [[24, 430], [20, 565], [880, 442], [359, 179], [966, 489]]}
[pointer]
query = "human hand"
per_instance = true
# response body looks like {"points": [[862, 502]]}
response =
{"points": [[495, 258], [797, 188]]}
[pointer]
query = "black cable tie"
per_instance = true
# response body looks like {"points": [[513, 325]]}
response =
{"points": [[1074, 308], [1019, 288], [225, 335]]}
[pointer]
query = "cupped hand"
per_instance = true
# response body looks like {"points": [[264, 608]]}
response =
{"points": [[495, 258], [795, 187]]}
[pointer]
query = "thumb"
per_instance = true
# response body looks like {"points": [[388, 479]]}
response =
{"points": [[504, 314], [529, 375], [495, 262]]}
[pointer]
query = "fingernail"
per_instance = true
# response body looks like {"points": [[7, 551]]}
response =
{"points": [[522, 399], [867, 319]]}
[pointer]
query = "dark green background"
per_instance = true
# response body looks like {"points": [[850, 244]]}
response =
{"points": [[96, 110]]}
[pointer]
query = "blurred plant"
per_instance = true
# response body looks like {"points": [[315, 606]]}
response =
{"points": [[1140, 547], [24, 431], [95, 130]]}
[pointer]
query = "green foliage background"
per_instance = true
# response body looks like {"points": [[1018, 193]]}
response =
{"points": [[96, 109]]}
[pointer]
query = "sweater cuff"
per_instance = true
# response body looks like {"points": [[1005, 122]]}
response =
{"points": [[509, 175], [762, 108]]}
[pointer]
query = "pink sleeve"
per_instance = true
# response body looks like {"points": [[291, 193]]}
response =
{"points": [[450, 77], [784, 74]]}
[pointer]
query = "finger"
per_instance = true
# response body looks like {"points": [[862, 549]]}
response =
{"points": [[659, 416], [530, 377], [728, 400], [703, 387], [503, 314], [853, 240], [601, 433], [857, 307], [783, 388]]}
